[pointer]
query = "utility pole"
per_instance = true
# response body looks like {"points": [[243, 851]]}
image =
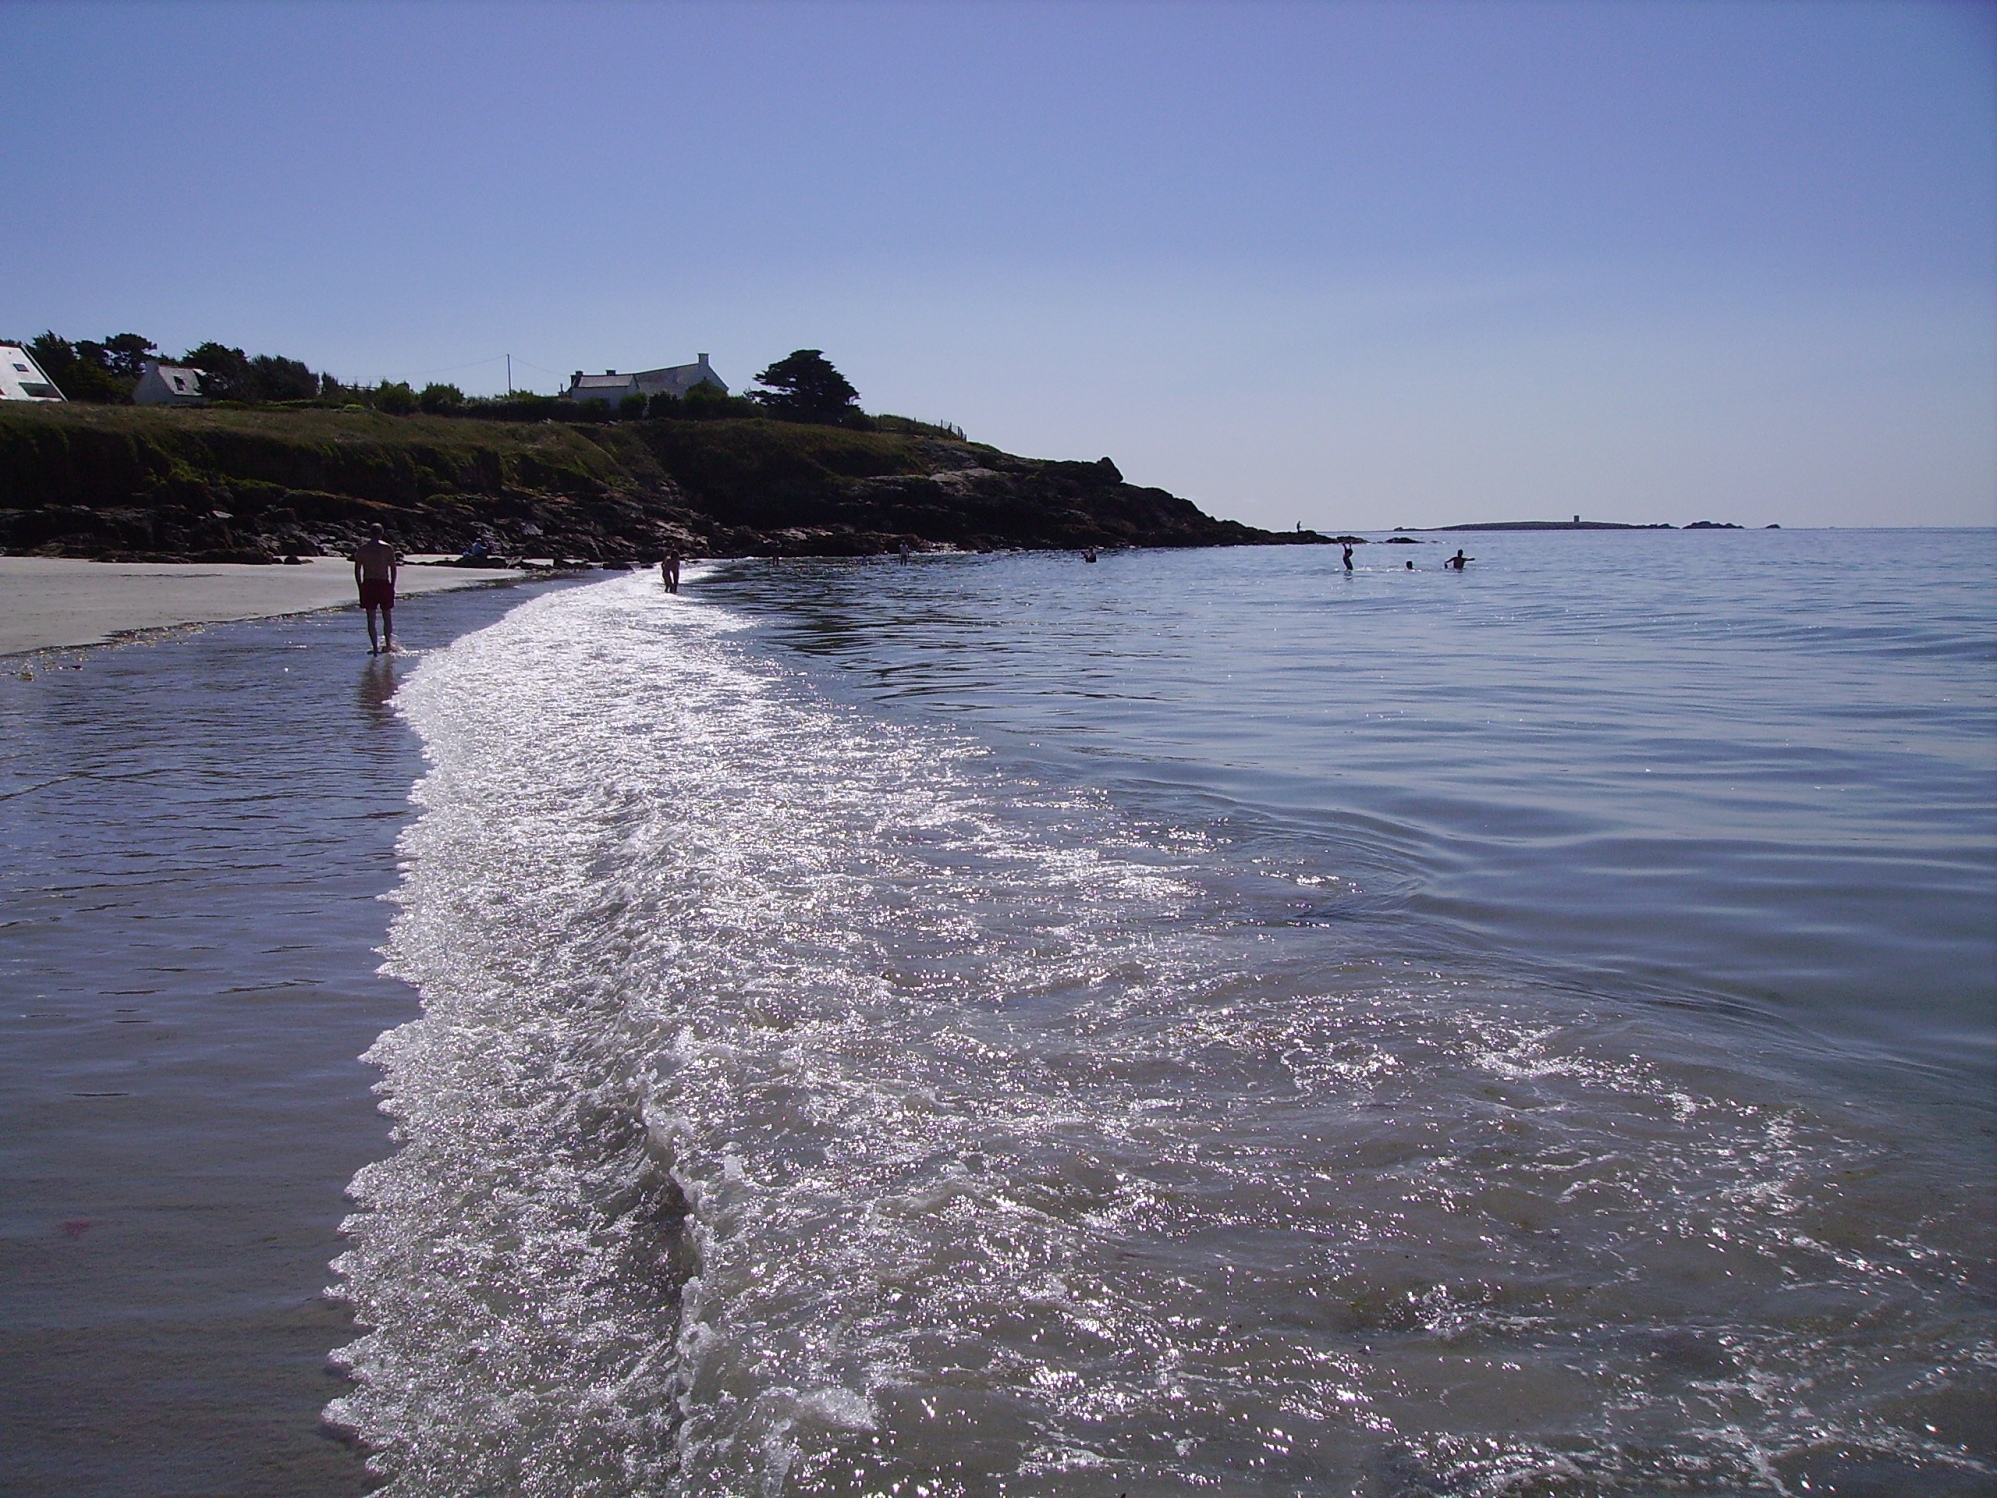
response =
{"points": [[509, 375]]}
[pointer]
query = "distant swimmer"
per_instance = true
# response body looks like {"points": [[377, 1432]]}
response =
{"points": [[1348, 559], [669, 571], [375, 569], [1411, 566], [1088, 553], [1458, 560]]}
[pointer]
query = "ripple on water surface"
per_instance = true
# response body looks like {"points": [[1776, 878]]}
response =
{"points": [[809, 1099]]}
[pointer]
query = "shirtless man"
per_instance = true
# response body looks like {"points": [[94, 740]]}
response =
{"points": [[375, 566]]}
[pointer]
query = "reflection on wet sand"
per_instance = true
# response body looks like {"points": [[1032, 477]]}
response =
{"points": [[377, 691]]}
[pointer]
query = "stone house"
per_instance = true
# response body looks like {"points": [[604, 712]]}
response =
{"points": [[610, 387]]}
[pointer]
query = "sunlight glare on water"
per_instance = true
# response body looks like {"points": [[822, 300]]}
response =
{"points": [[819, 1090]]}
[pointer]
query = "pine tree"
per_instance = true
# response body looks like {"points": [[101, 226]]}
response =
{"points": [[806, 387]]}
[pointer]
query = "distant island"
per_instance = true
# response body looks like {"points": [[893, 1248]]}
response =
{"points": [[1576, 524], [1542, 525]]}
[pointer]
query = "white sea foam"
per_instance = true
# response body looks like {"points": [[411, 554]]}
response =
{"points": [[799, 1104]]}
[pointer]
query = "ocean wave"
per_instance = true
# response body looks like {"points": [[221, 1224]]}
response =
{"points": [[802, 1103]]}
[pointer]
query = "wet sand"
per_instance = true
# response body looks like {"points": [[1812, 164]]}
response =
{"points": [[56, 602], [199, 829]]}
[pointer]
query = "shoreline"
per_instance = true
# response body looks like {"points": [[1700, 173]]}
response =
{"points": [[59, 603], [203, 835]]}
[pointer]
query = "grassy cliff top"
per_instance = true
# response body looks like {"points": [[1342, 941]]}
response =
{"points": [[311, 478]]}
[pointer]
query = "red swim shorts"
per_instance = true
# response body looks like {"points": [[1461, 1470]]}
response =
{"points": [[377, 593]]}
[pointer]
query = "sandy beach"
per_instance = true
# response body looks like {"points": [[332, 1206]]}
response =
{"points": [[54, 602]]}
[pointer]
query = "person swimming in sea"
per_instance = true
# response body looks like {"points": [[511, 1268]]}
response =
{"points": [[1458, 560]]}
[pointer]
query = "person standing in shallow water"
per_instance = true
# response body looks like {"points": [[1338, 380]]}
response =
{"points": [[669, 571], [375, 569], [1458, 560], [1348, 558]]}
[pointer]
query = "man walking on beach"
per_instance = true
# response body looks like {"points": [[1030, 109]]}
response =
{"points": [[375, 567]]}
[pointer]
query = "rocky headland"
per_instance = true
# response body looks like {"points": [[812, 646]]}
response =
{"points": [[251, 485]]}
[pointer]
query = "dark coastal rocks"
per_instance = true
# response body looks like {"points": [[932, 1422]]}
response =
{"points": [[155, 483]]}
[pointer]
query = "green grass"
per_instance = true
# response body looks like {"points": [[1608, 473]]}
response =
{"points": [[97, 455]]}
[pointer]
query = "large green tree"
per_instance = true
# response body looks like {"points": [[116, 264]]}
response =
{"points": [[805, 387], [225, 371], [125, 354], [102, 373]]}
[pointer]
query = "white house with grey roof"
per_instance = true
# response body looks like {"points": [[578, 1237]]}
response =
{"points": [[21, 378], [167, 385], [610, 387]]}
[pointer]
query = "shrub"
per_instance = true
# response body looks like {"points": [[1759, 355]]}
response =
{"points": [[440, 400], [396, 398], [908, 426], [706, 402], [522, 405], [275, 378]]}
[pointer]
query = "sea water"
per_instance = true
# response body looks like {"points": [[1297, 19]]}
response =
{"points": [[1200, 1022], [196, 829]]}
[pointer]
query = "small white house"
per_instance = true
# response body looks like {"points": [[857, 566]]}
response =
{"points": [[21, 378], [610, 387], [167, 385]]}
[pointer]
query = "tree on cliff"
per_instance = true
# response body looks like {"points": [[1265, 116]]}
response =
{"points": [[225, 371], [229, 374], [106, 372], [103, 373], [276, 378], [805, 387]]}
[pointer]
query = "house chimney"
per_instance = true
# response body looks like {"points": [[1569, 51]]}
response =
{"points": [[703, 361], [610, 371], [578, 375]]}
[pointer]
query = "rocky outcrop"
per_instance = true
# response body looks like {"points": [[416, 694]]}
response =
{"points": [[241, 485]]}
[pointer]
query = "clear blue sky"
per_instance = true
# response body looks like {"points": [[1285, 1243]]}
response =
{"points": [[1355, 264]]}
